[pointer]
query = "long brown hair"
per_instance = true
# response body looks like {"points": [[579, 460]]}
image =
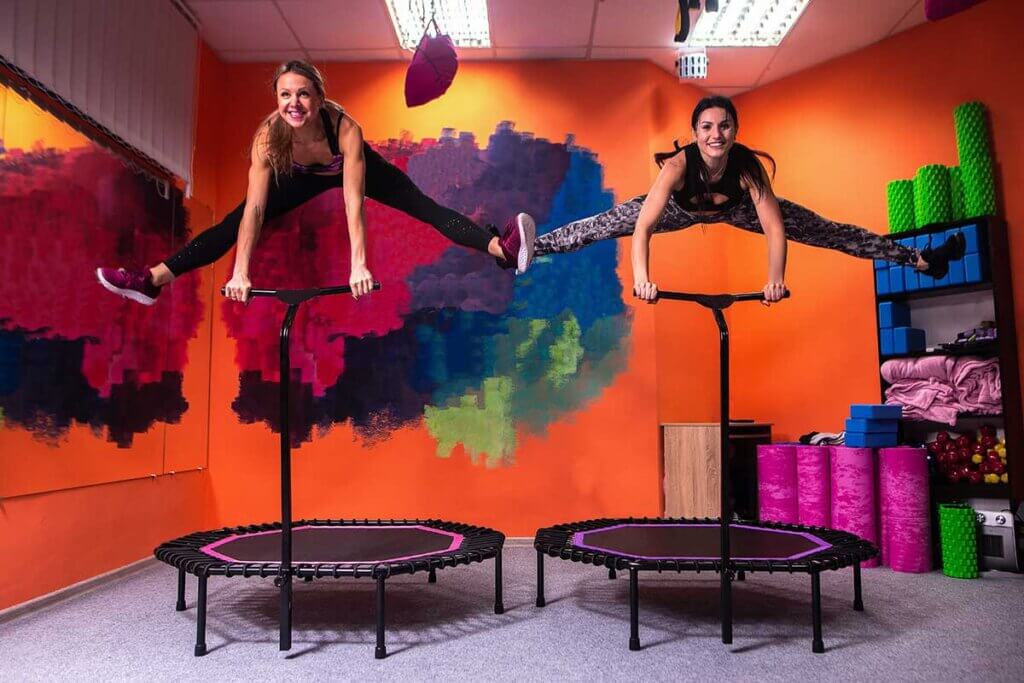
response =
{"points": [[745, 157], [279, 134]]}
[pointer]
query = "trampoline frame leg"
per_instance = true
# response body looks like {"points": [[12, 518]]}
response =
{"points": [[817, 644], [285, 615], [499, 601], [381, 651], [540, 579], [432, 576], [858, 599], [725, 588], [741, 575], [634, 609], [180, 605], [201, 617], [611, 573]]}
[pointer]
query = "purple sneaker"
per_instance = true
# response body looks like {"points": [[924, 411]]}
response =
{"points": [[136, 285], [516, 242]]}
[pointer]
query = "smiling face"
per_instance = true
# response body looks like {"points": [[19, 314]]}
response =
{"points": [[297, 99], [715, 133]]}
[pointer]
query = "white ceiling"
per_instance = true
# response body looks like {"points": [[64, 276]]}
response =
{"points": [[361, 30]]}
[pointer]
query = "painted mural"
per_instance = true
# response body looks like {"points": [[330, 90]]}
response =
{"points": [[451, 340], [70, 354]]}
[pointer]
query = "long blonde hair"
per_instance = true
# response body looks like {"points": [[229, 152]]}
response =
{"points": [[279, 134]]}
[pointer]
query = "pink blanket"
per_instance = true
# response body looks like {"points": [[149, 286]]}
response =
{"points": [[939, 387]]}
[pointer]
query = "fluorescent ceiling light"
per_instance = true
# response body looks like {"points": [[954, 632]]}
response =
{"points": [[465, 21], [746, 23]]}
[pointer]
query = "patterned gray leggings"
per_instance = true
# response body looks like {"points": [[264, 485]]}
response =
{"points": [[801, 224]]}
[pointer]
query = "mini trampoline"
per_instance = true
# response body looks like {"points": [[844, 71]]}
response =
{"points": [[323, 548], [729, 548]]}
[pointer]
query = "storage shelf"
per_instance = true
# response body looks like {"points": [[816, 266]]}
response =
{"points": [[936, 291], [946, 491], [989, 350]]}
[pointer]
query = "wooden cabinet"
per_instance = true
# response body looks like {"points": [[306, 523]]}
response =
{"points": [[690, 466]]}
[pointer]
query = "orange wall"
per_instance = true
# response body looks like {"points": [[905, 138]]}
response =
{"points": [[62, 537], [577, 470], [840, 132]]}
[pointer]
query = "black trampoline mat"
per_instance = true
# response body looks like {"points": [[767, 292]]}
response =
{"points": [[337, 544], [699, 541]]}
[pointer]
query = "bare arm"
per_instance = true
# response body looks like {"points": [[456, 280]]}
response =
{"points": [[260, 172], [770, 217], [654, 206], [350, 139]]}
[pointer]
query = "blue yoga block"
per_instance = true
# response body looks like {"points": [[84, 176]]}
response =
{"points": [[970, 233], [893, 314], [922, 242], [876, 411], [925, 281], [895, 279], [863, 440], [907, 339], [882, 281], [956, 272], [972, 268], [885, 341], [910, 279], [880, 263], [872, 426]]}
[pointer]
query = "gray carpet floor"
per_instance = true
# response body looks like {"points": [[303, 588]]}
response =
{"points": [[915, 627]]}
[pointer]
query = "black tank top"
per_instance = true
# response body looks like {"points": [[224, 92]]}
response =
{"points": [[695, 195], [334, 166]]}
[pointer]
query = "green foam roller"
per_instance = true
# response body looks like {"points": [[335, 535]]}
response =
{"points": [[971, 125], [932, 202], [958, 536], [956, 193], [900, 194], [979, 187]]}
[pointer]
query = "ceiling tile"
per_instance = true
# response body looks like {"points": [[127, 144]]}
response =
{"points": [[663, 57], [635, 23], [831, 28], [242, 25], [269, 56], [333, 25], [540, 23], [472, 54], [386, 54], [738, 66], [913, 18], [540, 52]]}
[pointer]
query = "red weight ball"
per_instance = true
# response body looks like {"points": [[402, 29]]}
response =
{"points": [[942, 437], [974, 477]]}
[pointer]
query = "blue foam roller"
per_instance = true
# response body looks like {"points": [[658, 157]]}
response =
{"points": [[956, 272], [872, 426], [885, 341], [972, 268], [862, 440], [882, 281], [970, 233], [910, 279], [876, 411], [907, 339], [895, 279], [893, 314]]}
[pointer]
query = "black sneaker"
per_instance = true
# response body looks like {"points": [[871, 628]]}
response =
{"points": [[938, 259]]}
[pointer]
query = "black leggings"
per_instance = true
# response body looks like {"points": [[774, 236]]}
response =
{"points": [[385, 183]]}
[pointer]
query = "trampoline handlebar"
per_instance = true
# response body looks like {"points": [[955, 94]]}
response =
{"points": [[289, 295], [716, 300]]}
